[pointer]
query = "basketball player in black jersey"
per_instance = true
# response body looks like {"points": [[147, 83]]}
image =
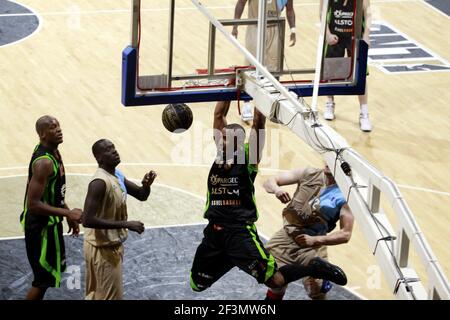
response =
{"points": [[45, 209], [230, 238], [339, 43]]}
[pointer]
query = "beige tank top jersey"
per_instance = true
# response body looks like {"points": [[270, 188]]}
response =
{"points": [[304, 208], [113, 207], [272, 11], [272, 37]]}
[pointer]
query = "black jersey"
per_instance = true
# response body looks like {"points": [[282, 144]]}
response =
{"points": [[340, 17], [231, 193], [54, 192]]}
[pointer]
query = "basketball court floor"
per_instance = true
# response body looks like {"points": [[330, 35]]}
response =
{"points": [[65, 60]]}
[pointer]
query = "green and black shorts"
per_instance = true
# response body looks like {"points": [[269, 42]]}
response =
{"points": [[225, 246], [46, 254]]}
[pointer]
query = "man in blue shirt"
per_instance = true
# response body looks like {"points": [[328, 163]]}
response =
{"points": [[308, 221]]}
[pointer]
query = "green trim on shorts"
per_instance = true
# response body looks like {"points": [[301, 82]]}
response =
{"points": [[270, 260], [56, 273], [58, 255], [193, 285]]}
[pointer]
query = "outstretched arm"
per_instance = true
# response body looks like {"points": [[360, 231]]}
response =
{"points": [[257, 137], [220, 119], [273, 184], [141, 193], [338, 237]]}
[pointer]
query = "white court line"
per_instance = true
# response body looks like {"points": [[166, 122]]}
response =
{"points": [[263, 236], [12, 238], [131, 179], [146, 228], [350, 289], [435, 9], [128, 11], [423, 189], [163, 164], [36, 31]]}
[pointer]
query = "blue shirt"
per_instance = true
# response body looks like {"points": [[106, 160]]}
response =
{"points": [[119, 175], [281, 4], [331, 202]]}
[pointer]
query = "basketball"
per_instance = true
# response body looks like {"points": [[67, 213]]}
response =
{"points": [[177, 117]]}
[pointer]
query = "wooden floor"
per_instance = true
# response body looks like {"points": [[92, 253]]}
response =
{"points": [[72, 71]]}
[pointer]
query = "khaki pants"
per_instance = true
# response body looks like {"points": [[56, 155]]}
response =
{"points": [[103, 272], [286, 251]]}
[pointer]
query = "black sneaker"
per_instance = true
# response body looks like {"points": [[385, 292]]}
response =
{"points": [[325, 270]]}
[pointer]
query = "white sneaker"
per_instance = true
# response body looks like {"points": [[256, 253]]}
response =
{"points": [[247, 114], [364, 122], [328, 114]]}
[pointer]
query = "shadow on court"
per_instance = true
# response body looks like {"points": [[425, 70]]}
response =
{"points": [[156, 266]]}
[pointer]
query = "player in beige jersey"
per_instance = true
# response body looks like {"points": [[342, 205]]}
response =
{"points": [[309, 218], [106, 222], [272, 56]]}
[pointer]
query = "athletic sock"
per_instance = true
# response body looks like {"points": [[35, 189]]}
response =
{"points": [[364, 109]]}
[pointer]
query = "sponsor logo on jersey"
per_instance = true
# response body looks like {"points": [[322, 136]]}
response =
{"points": [[226, 202], [223, 181], [339, 14], [224, 190], [343, 22]]}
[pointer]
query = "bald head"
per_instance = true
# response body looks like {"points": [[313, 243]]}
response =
{"points": [[98, 147], [49, 131], [43, 123]]}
